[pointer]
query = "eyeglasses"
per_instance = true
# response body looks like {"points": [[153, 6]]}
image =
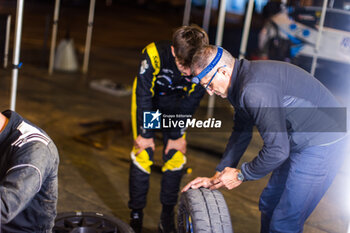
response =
{"points": [[206, 87]]}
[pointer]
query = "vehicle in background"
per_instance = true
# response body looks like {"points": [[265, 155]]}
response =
{"points": [[300, 26]]}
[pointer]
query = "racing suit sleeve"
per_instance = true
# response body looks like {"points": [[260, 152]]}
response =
{"points": [[238, 142], [269, 117], [144, 88], [29, 168], [191, 101]]}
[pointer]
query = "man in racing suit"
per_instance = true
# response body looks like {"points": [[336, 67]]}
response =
{"points": [[162, 84], [28, 176], [302, 125]]}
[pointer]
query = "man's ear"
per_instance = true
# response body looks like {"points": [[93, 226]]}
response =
{"points": [[172, 50], [223, 71]]}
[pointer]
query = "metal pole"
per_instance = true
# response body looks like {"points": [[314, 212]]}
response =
{"points": [[319, 36], [218, 42], [16, 52], [221, 23], [7, 40], [246, 28], [187, 13], [54, 36], [88, 36], [331, 4], [206, 17]]}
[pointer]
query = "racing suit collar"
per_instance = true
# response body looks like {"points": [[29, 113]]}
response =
{"points": [[13, 117]]}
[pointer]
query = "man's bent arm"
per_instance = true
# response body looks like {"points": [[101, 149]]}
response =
{"points": [[23, 179]]}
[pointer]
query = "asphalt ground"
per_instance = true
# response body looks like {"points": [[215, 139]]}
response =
{"points": [[93, 177]]}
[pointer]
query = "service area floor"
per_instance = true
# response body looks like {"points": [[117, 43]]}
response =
{"points": [[96, 180]]}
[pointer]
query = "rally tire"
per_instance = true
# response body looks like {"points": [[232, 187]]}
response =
{"points": [[76, 222], [203, 211]]}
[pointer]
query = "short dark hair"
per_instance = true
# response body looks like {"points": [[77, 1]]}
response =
{"points": [[186, 40]]}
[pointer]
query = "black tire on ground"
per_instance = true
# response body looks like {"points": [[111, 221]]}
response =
{"points": [[89, 222], [203, 211]]}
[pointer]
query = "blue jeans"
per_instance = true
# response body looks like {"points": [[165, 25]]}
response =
{"points": [[297, 186]]}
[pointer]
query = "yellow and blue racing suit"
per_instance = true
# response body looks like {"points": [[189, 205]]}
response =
{"points": [[159, 85]]}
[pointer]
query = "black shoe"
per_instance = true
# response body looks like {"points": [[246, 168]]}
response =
{"points": [[167, 224], [136, 221]]}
